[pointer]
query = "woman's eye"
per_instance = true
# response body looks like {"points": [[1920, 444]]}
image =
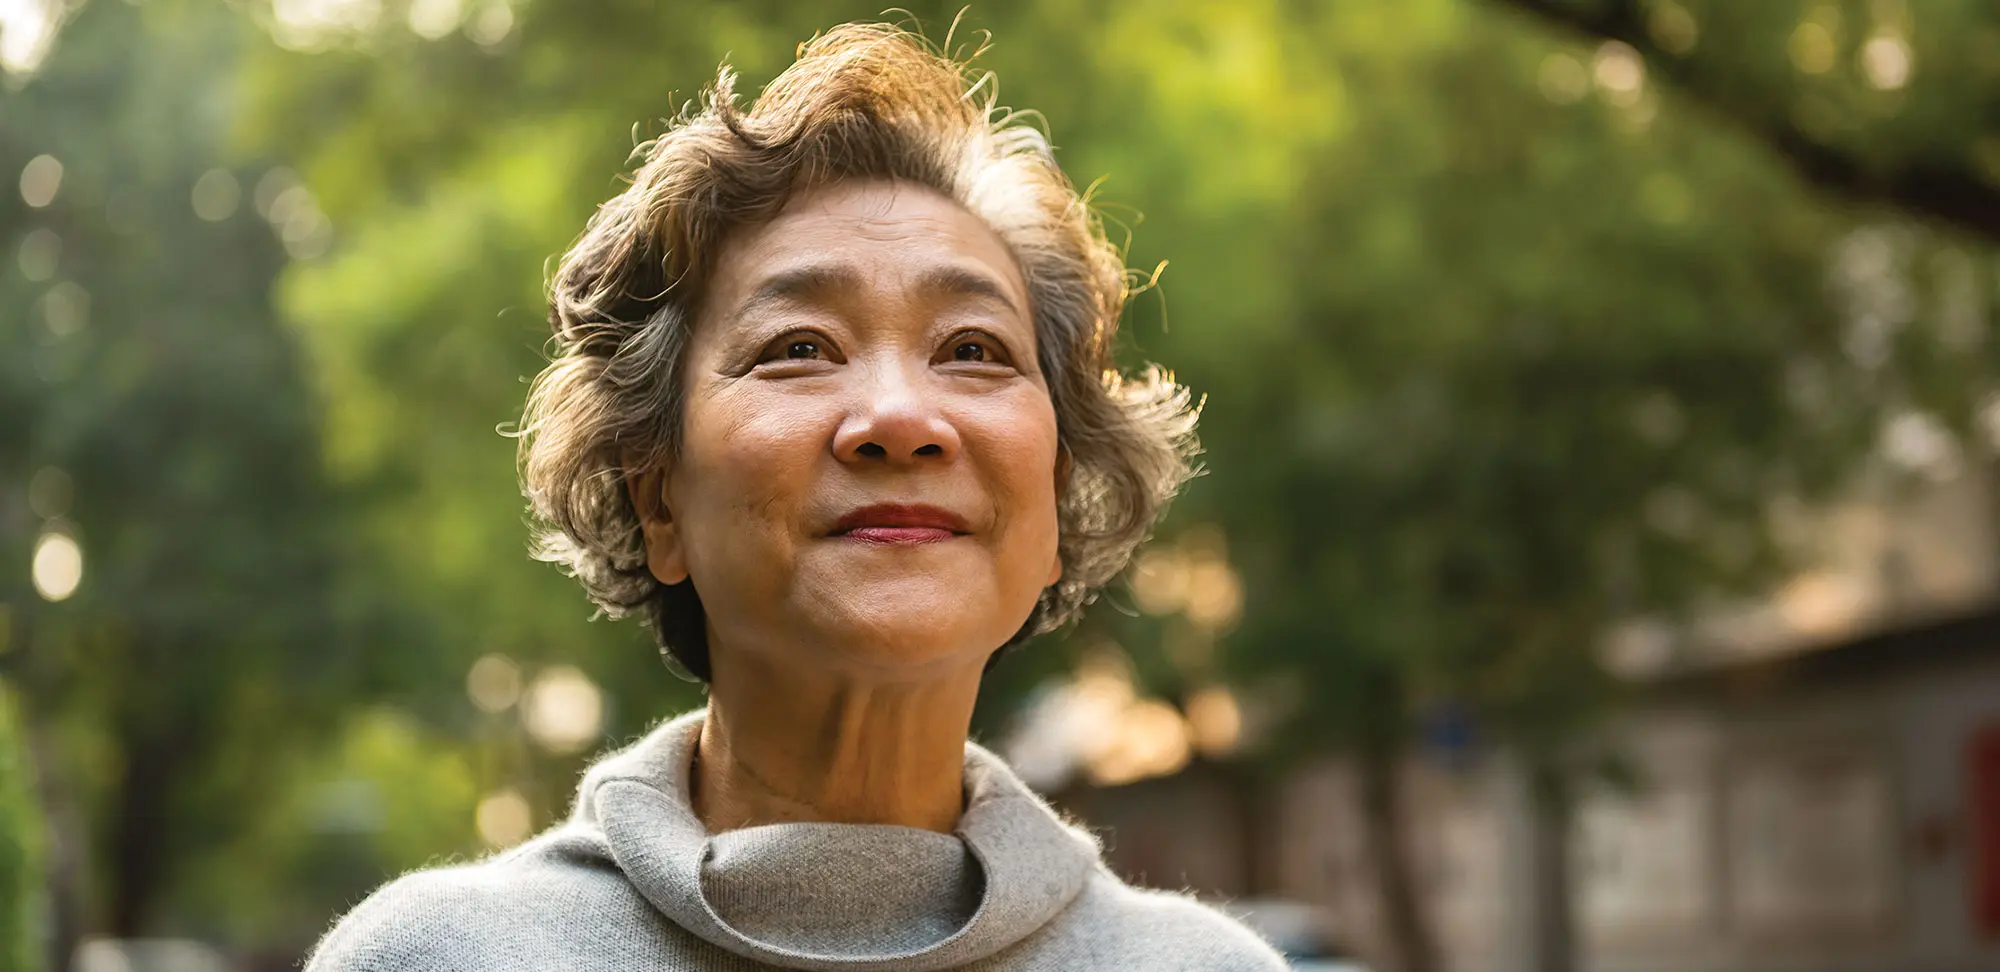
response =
{"points": [[976, 348], [797, 346]]}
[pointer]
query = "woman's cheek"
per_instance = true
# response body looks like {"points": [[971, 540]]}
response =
{"points": [[754, 432], [1022, 462]]}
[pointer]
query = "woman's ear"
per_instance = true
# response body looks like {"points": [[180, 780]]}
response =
{"points": [[664, 555]]}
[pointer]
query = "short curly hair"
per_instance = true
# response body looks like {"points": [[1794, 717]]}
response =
{"points": [[862, 101]]}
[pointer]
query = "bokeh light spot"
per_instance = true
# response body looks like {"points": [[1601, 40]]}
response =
{"points": [[40, 254], [493, 683], [1673, 28], [503, 818], [432, 19], [58, 566], [65, 309], [297, 218], [1619, 72], [305, 25], [274, 184], [41, 178], [1920, 443], [1812, 47], [1160, 581], [563, 710], [216, 195], [1563, 79], [492, 25], [1885, 59], [1215, 721]]}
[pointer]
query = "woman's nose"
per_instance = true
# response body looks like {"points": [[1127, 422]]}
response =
{"points": [[894, 421]]}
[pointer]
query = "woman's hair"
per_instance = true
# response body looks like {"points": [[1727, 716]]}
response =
{"points": [[863, 101]]}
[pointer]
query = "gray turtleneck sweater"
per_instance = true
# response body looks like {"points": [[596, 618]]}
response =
{"points": [[633, 881]]}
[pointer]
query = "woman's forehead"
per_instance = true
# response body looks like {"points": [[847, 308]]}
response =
{"points": [[875, 234]]}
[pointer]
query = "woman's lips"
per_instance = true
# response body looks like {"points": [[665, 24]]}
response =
{"points": [[898, 535], [900, 523]]}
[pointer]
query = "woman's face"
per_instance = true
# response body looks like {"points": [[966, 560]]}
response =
{"points": [[867, 474]]}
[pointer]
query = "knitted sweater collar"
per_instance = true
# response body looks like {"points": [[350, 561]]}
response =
{"points": [[826, 896]]}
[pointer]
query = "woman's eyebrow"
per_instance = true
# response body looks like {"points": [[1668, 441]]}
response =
{"points": [[818, 283], [809, 284], [960, 281]]}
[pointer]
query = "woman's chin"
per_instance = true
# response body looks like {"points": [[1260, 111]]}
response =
{"points": [[919, 621], [911, 607]]}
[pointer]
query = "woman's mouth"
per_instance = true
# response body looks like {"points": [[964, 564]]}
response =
{"points": [[900, 524]]}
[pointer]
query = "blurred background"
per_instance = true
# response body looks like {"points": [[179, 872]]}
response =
{"points": [[1596, 566]]}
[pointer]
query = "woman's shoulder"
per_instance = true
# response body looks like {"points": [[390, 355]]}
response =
{"points": [[479, 914], [1176, 931], [400, 925]]}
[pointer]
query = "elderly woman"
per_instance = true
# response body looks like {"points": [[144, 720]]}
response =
{"points": [[834, 406]]}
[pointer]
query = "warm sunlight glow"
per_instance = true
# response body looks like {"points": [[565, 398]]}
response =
{"points": [[1823, 604], [1215, 721], [309, 24], [1193, 577], [1151, 739], [27, 29]]}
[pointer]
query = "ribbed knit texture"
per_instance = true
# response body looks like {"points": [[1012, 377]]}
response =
{"points": [[633, 881]]}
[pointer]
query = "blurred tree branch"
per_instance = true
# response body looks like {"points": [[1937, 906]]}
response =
{"points": [[1948, 188]]}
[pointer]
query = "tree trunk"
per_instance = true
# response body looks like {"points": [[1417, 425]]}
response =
{"points": [[65, 832], [1382, 810], [1253, 799], [64, 860], [140, 835], [1554, 942]]}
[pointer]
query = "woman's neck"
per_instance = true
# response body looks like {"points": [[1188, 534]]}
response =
{"points": [[784, 746]]}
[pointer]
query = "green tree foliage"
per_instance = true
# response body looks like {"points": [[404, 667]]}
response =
{"points": [[1890, 102], [159, 417], [20, 859]]}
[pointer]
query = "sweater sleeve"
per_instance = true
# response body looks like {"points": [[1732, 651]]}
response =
{"points": [[399, 928], [1169, 930], [1209, 939]]}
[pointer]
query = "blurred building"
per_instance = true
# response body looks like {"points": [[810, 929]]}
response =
{"points": [[1815, 784]]}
